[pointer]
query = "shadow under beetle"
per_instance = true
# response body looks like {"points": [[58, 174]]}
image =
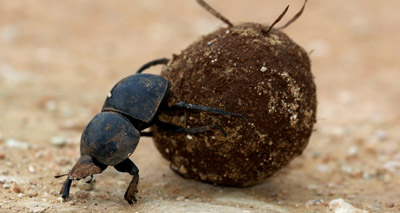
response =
{"points": [[113, 134]]}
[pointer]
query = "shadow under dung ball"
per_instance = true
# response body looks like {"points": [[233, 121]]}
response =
{"points": [[248, 69]]}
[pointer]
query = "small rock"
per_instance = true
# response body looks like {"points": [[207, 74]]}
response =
{"points": [[182, 170], [313, 202], [180, 198], [323, 168], [50, 105], [392, 166], [31, 169], [353, 151], [380, 135], [58, 141], [66, 112], [20, 195], [12, 143], [6, 186], [31, 193], [389, 205], [263, 69], [315, 154], [2, 156], [312, 187], [37, 209], [340, 206], [368, 176], [15, 188], [347, 169], [53, 192]]}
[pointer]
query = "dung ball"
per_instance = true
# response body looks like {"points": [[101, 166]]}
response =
{"points": [[264, 76]]}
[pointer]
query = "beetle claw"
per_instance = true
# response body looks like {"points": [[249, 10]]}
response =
{"points": [[90, 180], [131, 199], [132, 190]]}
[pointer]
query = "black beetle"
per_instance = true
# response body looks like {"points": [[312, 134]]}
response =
{"points": [[113, 134]]}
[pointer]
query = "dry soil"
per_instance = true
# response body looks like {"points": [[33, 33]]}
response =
{"points": [[58, 60]]}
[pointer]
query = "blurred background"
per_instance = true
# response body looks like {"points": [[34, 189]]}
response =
{"points": [[58, 60]]}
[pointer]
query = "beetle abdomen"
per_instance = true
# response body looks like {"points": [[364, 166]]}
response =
{"points": [[110, 138], [137, 96]]}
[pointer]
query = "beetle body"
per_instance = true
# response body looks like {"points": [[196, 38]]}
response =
{"points": [[138, 97], [113, 134]]}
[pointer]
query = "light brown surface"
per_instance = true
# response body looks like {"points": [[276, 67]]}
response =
{"points": [[59, 60]]}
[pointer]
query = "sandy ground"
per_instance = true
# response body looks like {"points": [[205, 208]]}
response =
{"points": [[58, 60]]}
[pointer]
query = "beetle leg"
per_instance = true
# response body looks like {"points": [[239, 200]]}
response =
{"points": [[65, 188], [146, 134], [194, 130], [152, 63], [206, 109], [86, 166], [128, 166]]}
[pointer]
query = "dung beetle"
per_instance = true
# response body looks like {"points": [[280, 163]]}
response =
{"points": [[113, 134]]}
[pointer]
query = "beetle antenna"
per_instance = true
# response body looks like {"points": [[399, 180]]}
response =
{"points": [[277, 20], [214, 12], [295, 17]]}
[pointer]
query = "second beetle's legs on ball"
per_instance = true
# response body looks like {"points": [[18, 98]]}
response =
{"points": [[128, 166]]}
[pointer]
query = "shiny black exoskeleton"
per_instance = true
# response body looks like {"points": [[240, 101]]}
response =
{"points": [[113, 134]]}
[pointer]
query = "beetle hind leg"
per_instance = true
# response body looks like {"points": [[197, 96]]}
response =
{"points": [[183, 105], [86, 166], [193, 130], [128, 166]]}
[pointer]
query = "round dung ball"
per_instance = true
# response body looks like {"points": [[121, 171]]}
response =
{"points": [[266, 77]]}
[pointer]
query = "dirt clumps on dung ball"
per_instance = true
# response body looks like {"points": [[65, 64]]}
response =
{"points": [[241, 69]]}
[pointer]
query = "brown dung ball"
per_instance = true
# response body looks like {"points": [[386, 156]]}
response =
{"points": [[244, 69]]}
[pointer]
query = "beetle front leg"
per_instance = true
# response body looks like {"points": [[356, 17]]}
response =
{"points": [[65, 188], [128, 166]]}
